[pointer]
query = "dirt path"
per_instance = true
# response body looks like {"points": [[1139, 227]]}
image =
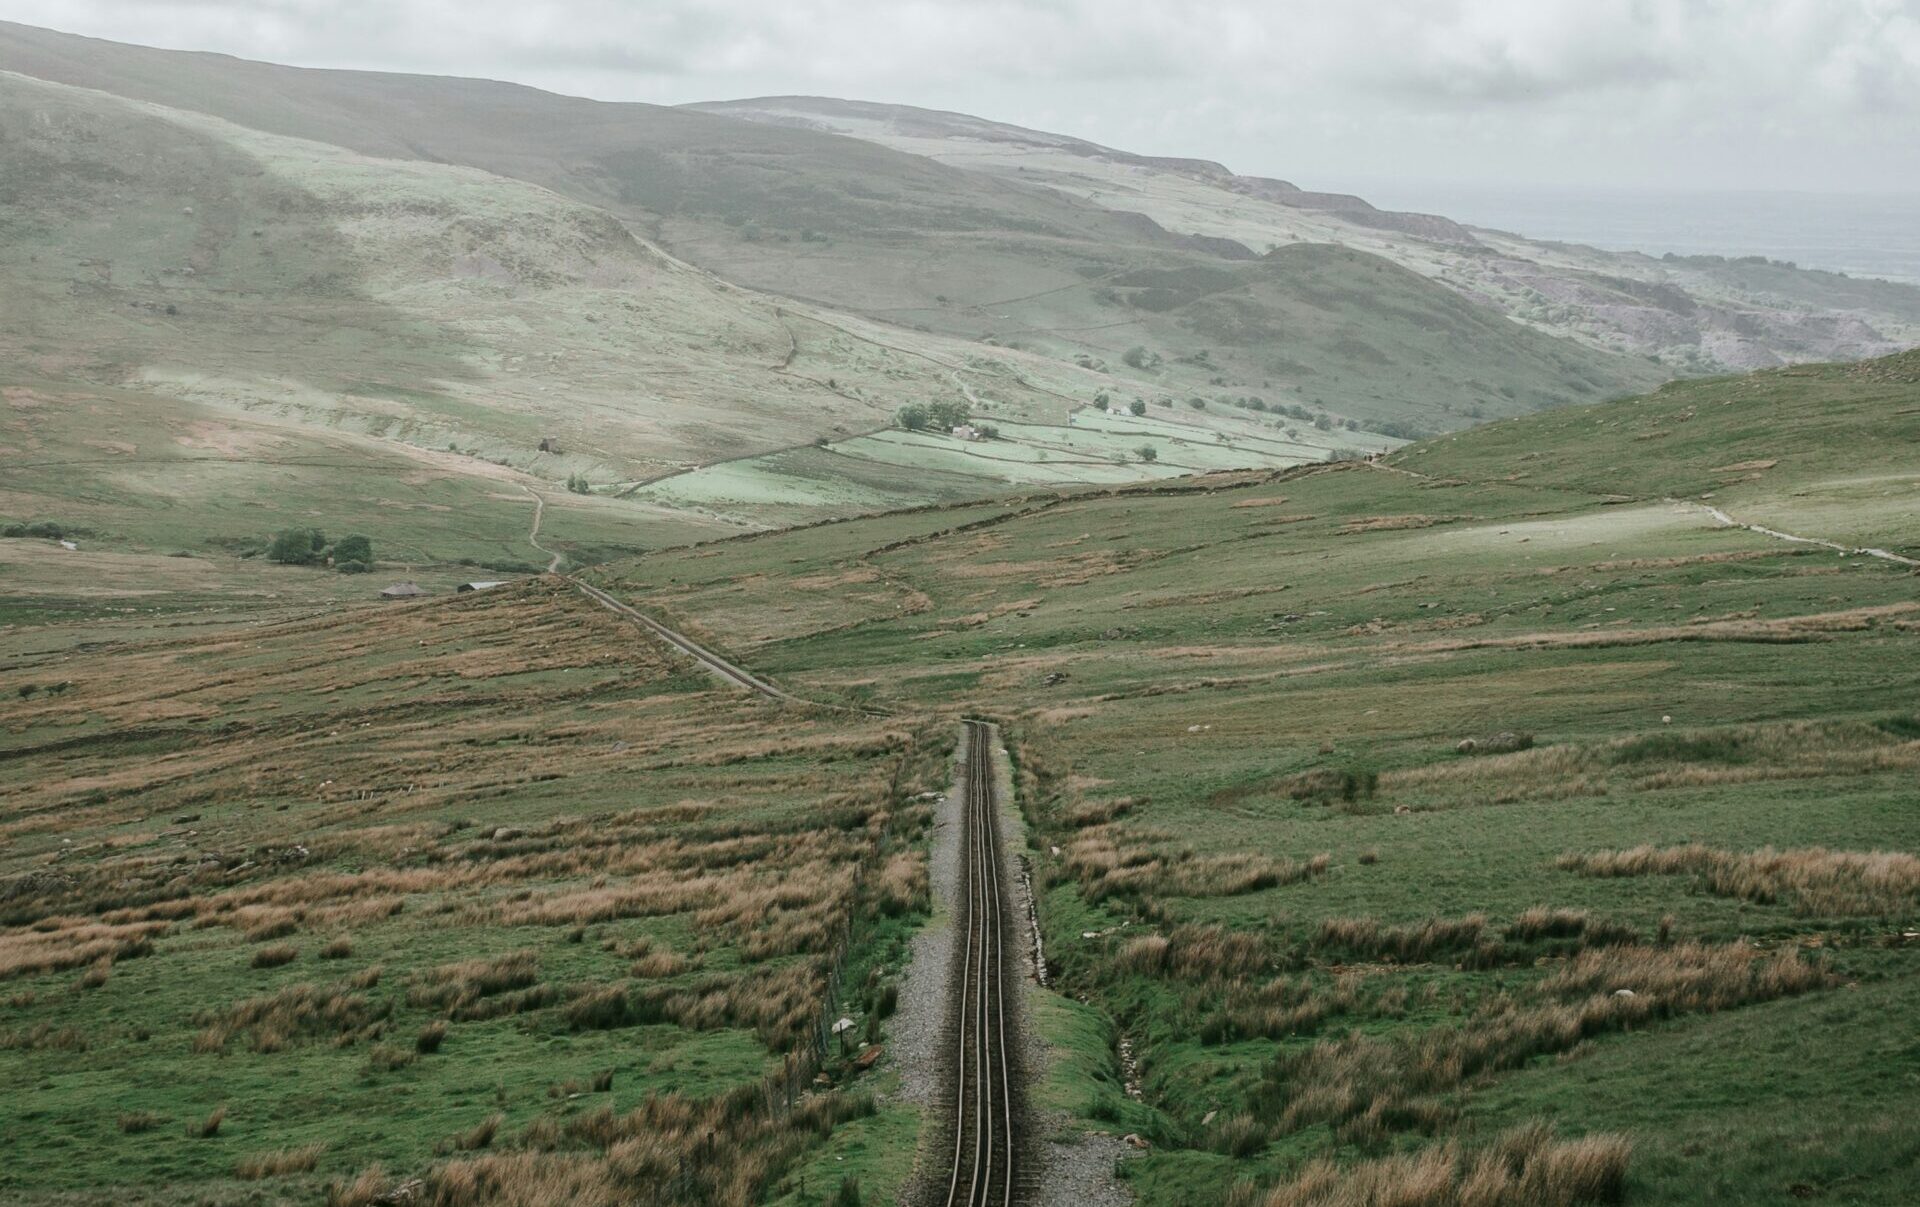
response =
{"points": [[533, 534], [1836, 546]]}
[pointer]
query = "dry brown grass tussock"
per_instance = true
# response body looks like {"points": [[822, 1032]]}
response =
{"points": [[1413, 943], [279, 1163], [295, 1014], [57, 944], [1818, 881], [1365, 1086], [1110, 860], [1525, 1167], [450, 987]]}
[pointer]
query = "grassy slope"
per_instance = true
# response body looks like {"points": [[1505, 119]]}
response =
{"points": [[436, 782], [1195, 652]]}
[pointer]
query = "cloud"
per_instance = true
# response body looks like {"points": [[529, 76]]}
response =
{"points": [[1687, 91]]}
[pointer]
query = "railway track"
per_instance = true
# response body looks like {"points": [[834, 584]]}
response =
{"points": [[699, 653], [986, 1151]]}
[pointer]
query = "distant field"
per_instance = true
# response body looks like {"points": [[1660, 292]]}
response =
{"points": [[897, 468]]}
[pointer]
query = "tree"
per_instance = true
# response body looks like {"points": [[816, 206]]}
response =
{"points": [[296, 546], [578, 484], [1323, 422], [913, 417], [1147, 452], [354, 547], [945, 416], [1138, 406]]}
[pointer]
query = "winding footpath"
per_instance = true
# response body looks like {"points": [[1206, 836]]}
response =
{"points": [[533, 534], [1836, 546]]}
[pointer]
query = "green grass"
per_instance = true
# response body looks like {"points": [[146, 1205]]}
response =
{"points": [[1683, 682]]}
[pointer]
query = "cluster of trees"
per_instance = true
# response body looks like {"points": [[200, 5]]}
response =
{"points": [[937, 416], [351, 554], [578, 484]]}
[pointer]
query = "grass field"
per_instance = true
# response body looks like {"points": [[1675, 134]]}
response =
{"points": [[1492, 818], [1329, 930], [483, 879]]}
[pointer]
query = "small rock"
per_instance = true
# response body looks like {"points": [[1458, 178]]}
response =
{"points": [[1137, 1140], [504, 833], [1623, 993], [1401, 810]]}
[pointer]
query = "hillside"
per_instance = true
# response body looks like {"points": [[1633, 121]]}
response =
{"points": [[1697, 314], [899, 238], [1353, 795], [221, 331], [1272, 865]]}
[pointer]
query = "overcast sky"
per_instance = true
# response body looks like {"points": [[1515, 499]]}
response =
{"points": [[1782, 94]]}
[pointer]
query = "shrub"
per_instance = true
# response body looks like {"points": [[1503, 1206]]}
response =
{"points": [[337, 949], [209, 1127], [352, 567], [354, 547], [1147, 452], [430, 1037], [135, 1122], [296, 546]]}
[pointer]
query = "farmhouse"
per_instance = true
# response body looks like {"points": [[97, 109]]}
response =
{"points": [[481, 586], [966, 431], [402, 591]]}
